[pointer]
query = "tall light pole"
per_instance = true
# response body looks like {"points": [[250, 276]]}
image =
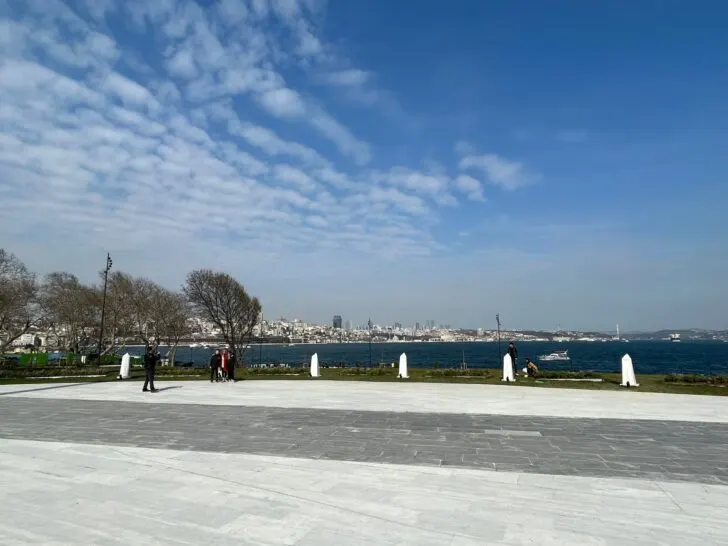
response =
{"points": [[103, 304], [497, 319], [260, 343], [370, 342]]}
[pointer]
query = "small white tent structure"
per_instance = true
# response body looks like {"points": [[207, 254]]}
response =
{"points": [[628, 377], [403, 366], [508, 368], [315, 366]]}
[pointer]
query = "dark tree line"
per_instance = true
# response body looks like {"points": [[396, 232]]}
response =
{"points": [[137, 310]]}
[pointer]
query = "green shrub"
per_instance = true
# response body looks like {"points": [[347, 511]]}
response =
{"points": [[457, 372], [696, 379], [353, 371], [381, 371], [275, 371], [568, 375], [19, 372]]}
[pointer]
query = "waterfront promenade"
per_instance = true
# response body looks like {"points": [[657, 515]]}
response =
{"points": [[317, 463]]}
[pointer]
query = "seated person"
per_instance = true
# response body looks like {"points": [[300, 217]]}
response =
{"points": [[531, 368]]}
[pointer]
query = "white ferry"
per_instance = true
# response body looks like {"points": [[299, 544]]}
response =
{"points": [[555, 356], [675, 338]]}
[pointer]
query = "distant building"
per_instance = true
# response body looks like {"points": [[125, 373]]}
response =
{"points": [[417, 326], [337, 322], [347, 325], [27, 339], [397, 325]]}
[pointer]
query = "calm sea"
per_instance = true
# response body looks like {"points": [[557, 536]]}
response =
{"points": [[690, 357]]}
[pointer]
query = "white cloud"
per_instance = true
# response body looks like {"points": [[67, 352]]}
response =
{"points": [[509, 175], [182, 64], [282, 102], [232, 12], [470, 186], [180, 160], [292, 175], [98, 9], [269, 142], [434, 184], [463, 147], [129, 91], [408, 203], [351, 77], [317, 221], [345, 141]]}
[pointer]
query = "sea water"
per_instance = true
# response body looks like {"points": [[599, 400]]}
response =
{"points": [[687, 357]]}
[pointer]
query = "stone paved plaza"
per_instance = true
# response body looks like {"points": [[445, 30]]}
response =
{"points": [[319, 463]]}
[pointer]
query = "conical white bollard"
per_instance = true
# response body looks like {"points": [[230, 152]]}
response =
{"points": [[628, 377], [125, 370], [403, 366], [314, 365], [508, 369]]}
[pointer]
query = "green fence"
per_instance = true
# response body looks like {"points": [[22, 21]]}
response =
{"points": [[34, 359], [56, 359]]}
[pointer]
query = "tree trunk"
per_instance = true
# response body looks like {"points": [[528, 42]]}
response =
{"points": [[172, 355]]}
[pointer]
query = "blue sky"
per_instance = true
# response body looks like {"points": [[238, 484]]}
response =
{"points": [[561, 163]]}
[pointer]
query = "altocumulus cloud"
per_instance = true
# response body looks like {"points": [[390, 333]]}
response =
{"points": [[136, 124]]}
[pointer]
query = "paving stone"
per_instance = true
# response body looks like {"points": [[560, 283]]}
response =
{"points": [[672, 450]]}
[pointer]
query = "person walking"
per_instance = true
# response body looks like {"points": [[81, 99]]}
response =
{"points": [[215, 362], [231, 366], [513, 352], [150, 365]]}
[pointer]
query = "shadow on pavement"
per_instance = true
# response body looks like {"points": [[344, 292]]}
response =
{"points": [[64, 386], [169, 388]]}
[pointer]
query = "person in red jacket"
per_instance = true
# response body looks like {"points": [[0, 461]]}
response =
{"points": [[225, 362]]}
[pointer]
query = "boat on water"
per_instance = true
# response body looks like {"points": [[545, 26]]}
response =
{"points": [[675, 338], [555, 356]]}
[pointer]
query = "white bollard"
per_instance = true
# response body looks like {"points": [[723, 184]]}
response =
{"points": [[508, 369], [628, 377], [315, 366], [125, 370], [403, 366]]}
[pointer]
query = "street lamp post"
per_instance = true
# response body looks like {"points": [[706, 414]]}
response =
{"points": [[103, 304], [497, 319], [370, 342]]}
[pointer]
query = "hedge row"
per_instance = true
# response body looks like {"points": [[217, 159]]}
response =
{"points": [[272, 371], [51, 371], [476, 372], [697, 379]]}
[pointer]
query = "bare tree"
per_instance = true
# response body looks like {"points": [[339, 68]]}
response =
{"points": [[223, 301], [173, 321], [119, 325], [143, 300], [71, 310], [18, 305]]}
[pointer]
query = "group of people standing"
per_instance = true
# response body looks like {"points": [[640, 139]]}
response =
{"points": [[222, 366]]}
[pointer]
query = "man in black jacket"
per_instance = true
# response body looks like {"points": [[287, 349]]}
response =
{"points": [[231, 366], [215, 363], [150, 364]]}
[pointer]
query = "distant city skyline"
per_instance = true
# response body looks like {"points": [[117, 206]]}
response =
{"points": [[557, 166]]}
